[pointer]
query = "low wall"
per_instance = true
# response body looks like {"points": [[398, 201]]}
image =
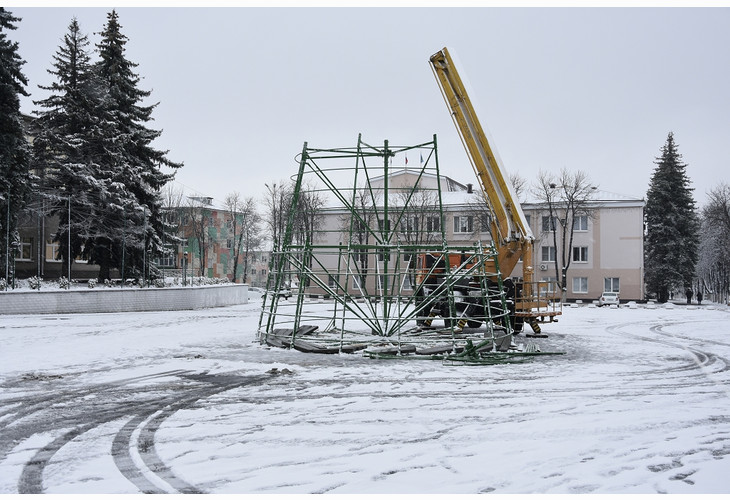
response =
{"points": [[100, 300]]}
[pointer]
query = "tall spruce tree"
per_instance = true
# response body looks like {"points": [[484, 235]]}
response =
{"points": [[671, 225], [132, 169], [15, 176], [67, 145]]}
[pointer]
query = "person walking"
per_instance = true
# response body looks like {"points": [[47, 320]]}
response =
{"points": [[699, 297], [688, 293]]}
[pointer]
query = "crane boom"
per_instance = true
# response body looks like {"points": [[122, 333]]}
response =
{"points": [[510, 231]]}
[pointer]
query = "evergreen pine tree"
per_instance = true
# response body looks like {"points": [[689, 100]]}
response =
{"points": [[15, 176], [671, 225], [67, 144], [132, 169]]}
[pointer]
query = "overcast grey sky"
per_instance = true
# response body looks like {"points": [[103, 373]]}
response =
{"points": [[595, 89]]}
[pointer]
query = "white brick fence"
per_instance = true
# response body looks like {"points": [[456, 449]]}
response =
{"points": [[121, 299]]}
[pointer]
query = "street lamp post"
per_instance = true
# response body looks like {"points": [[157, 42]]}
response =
{"points": [[185, 268], [7, 243], [14, 249], [144, 251]]}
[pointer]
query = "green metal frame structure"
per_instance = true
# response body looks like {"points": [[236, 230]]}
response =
{"points": [[359, 281]]}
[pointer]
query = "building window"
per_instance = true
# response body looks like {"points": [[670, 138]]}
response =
{"points": [[52, 251], [407, 285], [25, 249], [433, 224], [229, 243], [383, 225], [331, 281], [548, 254], [360, 256], [551, 288], [410, 224], [580, 223], [611, 285], [463, 224], [356, 282], [549, 223], [383, 254], [528, 218], [580, 254], [80, 259], [485, 223], [168, 257], [580, 285]]}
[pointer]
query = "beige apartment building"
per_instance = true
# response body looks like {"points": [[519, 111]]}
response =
{"points": [[607, 253], [607, 250]]}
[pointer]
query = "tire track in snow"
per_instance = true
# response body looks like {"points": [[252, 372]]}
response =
{"points": [[23, 415], [702, 368], [31, 479], [705, 358], [150, 422], [149, 414], [699, 358], [707, 361], [29, 406]]}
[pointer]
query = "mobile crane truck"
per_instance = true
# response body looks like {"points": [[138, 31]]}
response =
{"points": [[530, 301]]}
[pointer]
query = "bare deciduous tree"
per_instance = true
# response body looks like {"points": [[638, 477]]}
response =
{"points": [[277, 201], [420, 220], [519, 185], [713, 267], [357, 226], [243, 221], [308, 214], [566, 198], [171, 201], [198, 213]]}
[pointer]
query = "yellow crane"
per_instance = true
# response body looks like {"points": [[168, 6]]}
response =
{"points": [[510, 231]]}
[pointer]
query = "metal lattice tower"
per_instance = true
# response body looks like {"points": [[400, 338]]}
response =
{"points": [[373, 265]]}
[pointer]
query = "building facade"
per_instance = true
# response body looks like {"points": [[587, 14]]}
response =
{"points": [[200, 225], [606, 252]]}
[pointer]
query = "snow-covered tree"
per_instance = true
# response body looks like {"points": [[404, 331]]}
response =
{"points": [[132, 167], [15, 176], [671, 225], [713, 266], [67, 145]]}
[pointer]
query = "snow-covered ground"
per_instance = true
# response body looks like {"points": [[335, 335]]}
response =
{"points": [[190, 402]]}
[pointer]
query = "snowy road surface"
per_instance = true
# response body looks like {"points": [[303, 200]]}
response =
{"points": [[189, 402]]}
